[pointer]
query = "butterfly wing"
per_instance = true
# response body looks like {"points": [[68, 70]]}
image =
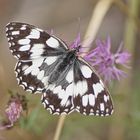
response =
{"points": [[37, 52], [28, 42], [91, 96], [80, 89], [58, 98]]}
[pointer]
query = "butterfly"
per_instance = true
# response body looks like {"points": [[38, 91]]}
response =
{"points": [[48, 66]]}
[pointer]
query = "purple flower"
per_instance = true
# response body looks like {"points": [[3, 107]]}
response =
{"points": [[106, 62], [13, 111], [16, 105]]}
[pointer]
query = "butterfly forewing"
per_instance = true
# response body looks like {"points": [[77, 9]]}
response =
{"points": [[28, 42]]}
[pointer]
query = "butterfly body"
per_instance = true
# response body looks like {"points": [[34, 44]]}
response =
{"points": [[48, 66]]}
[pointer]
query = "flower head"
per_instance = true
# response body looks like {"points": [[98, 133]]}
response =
{"points": [[14, 109], [107, 62]]}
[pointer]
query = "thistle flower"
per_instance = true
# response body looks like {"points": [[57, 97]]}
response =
{"points": [[106, 62], [14, 109]]}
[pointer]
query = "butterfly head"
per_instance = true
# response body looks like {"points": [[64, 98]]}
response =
{"points": [[77, 49]]}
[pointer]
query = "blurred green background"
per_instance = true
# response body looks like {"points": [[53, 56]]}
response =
{"points": [[121, 22]]}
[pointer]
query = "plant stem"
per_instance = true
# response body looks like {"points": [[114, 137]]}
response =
{"points": [[98, 14], [59, 127], [125, 9], [97, 17]]}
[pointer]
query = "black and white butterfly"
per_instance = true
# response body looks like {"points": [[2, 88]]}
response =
{"points": [[46, 65]]}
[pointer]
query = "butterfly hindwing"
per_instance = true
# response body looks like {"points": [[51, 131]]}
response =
{"points": [[58, 97], [27, 76], [33, 75], [28, 42]]}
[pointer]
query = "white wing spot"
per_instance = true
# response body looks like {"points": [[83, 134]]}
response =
{"points": [[85, 86], [49, 110], [18, 55], [57, 89], [85, 100], [37, 46], [24, 48], [44, 105], [52, 107], [97, 89], [22, 86], [13, 43], [86, 71], [23, 28], [69, 90], [40, 75], [58, 110], [10, 44], [25, 84], [35, 71], [107, 110], [32, 88], [69, 76], [91, 98], [105, 98], [24, 41], [51, 59], [28, 70], [52, 42], [36, 53], [80, 88], [15, 33], [7, 29], [45, 80], [11, 28], [61, 94], [102, 107], [46, 102], [35, 34], [38, 62], [11, 38], [28, 90], [8, 39]]}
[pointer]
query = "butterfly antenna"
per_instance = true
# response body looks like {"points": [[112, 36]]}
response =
{"points": [[78, 38]]}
